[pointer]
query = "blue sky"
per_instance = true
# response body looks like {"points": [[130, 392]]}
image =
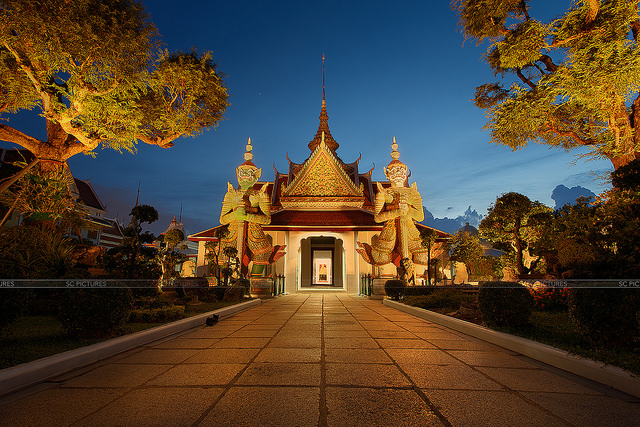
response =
{"points": [[392, 69]]}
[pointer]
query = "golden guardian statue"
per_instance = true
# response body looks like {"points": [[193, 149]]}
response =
{"points": [[246, 209], [399, 207]]}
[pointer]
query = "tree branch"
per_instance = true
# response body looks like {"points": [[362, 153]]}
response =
{"points": [[31, 75], [9, 134], [552, 128], [525, 79], [548, 62], [594, 6], [559, 43], [165, 142], [635, 29]]}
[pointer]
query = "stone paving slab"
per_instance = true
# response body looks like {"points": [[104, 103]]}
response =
{"points": [[320, 360]]}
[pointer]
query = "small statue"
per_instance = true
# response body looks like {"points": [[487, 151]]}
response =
{"points": [[245, 210], [399, 207]]}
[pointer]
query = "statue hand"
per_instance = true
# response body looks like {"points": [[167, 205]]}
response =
{"points": [[240, 214]]}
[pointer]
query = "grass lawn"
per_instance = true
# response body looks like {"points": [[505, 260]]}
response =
{"points": [[553, 328], [34, 337], [557, 330]]}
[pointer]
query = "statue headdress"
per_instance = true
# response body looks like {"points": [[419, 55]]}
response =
{"points": [[248, 164]]}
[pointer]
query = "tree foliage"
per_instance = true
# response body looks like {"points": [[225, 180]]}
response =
{"points": [[466, 248], [94, 70], [428, 238], [513, 224], [169, 255], [569, 82], [213, 252], [132, 260]]}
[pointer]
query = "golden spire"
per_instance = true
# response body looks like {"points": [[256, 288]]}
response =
{"points": [[324, 123]]}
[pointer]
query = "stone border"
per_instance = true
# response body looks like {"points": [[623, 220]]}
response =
{"points": [[24, 375], [597, 371]]}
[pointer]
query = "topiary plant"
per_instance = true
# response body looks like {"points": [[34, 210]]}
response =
{"points": [[505, 304], [605, 316], [394, 288], [95, 312]]}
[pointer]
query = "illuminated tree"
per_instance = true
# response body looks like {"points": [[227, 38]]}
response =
{"points": [[428, 238], [94, 71], [513, 224], [466, 248], [169, 256], [213, 249], [571, 82], [131, 259]]}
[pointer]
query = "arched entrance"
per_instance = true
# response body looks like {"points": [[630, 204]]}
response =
{"points": [[321, 263]]}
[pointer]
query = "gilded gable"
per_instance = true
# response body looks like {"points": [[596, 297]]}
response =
{"points": [[322, 182]]}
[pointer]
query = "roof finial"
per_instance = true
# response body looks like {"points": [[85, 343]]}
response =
{"points": [[324, 123], [322, 76]]}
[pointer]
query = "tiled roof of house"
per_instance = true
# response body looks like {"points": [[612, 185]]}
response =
{"points": [[323, 219], [88, 195]]}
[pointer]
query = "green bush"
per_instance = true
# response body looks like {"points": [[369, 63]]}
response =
{"points": [[415, 291], [605, 316], [189, 287], [157, 315], [95, 312], [244, 283], [441, 298], [505, 304], [394, 288], [233, 293], [218, 291], [13, 304]]}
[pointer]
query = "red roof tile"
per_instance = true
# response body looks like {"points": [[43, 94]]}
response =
{"points": [[328, 219]]}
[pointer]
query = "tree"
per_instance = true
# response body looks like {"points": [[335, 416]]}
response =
{"points": [[231, 253], [132, 260], [571, 82], [168, 256], [513, 224], [465, 248], [428, 238], [213, 249], [93, 69]]}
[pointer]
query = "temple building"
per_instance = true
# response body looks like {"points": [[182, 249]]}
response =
{"points": [[322, 214]]}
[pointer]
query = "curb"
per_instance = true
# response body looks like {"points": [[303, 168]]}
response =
{"points": [[597, 371], [21, 376]]}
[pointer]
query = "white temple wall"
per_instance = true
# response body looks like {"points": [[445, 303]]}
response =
{"points": [[292, 259]]}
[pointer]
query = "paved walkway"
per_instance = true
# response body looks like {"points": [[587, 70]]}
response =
{"points": [[327, 360]]}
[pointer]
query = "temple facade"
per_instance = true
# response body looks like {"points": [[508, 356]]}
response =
{"points": [[322, 214]]}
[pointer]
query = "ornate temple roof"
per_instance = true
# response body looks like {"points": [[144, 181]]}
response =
{"points": [[323, 181]]}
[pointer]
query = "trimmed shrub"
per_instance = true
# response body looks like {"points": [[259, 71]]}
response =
{"points": [[233, 293], [189, 287], [157, 315], [441, 298], [394, 288], [244, 283], [505, 304], [415, 291], [219, 291], [13, 304], [95, 312], [550, 299], [606, 317]]}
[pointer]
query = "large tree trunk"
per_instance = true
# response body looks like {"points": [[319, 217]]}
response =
{"points": [[623, 160]]}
